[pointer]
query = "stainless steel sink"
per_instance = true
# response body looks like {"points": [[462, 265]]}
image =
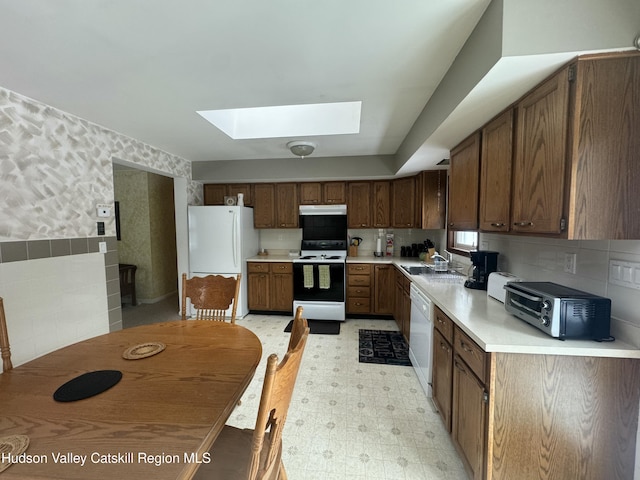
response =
{"points": [[416, 269]]}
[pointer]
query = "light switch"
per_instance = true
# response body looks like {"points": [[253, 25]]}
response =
{"points": [[625, 274]]}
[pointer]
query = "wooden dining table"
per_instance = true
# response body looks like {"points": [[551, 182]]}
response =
{"points": [[157, 422]]}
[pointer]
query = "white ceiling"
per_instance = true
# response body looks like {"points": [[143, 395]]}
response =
{"points": [[143, 68]]}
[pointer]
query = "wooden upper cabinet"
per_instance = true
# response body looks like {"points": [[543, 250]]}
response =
{"points": [[334, 193], [286, 205], [380, 206], [431, 199], [243, 188], [310, 193], [603, 192], [541, 157], [359, 204], [320, 193], [495, 173], [403, 203], [214, 193], [464, 183], [265, 205]]}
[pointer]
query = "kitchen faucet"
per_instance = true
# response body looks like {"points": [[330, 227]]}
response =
{"points": [[449, 256]]}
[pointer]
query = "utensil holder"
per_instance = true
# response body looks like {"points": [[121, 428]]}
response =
{"points": [[353, 250]]}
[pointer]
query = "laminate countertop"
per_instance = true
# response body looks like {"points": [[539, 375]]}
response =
{"points": [[485, 319]]}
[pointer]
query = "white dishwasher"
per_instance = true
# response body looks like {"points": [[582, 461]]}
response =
{"points": [[421, 337]]}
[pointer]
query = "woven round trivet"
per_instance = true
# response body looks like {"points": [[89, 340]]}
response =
{"points": [[11, 445], [143, 350]]}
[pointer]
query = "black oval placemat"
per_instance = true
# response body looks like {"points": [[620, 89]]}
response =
{"points": [[87, 385]]}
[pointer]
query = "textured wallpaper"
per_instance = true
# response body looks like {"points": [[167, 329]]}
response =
{"points": [[55, 168]]}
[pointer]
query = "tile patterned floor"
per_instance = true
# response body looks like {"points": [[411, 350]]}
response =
{"points": [[350, 420]]}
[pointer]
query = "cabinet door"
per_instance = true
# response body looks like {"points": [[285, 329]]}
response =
{"points": [[442, 377], [432, 199], [258, 286], [359, 204], [282, 288], [383, 282], [214, 193], [334, 193], [406, 308], [244, 189], [403, 201], [464, 183], [540, 159], [286, 205], [468, 420], [381, 206], [310, 193], [397, 307], [495, 173], [264, 208]]}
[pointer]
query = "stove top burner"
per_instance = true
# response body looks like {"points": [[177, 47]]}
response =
{"points": [[320, 257]]}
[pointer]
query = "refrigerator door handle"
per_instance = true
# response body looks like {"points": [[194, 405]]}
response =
{"points": [[234, 239]]}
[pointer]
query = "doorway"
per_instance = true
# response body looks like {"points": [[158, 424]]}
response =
{"points": [[147, 239]]}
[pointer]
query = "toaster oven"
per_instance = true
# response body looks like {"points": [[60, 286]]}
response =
{"points": [[560, 311]]}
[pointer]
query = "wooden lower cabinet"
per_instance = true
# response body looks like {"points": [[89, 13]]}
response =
{"points": [[442, 381], [270, 286], [383, 281], [536, 416], [359, 288], [468, 418], [402, 304], [370, 289]]}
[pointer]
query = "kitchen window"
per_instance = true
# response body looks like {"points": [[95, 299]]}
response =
{"points": [[462, 242]]}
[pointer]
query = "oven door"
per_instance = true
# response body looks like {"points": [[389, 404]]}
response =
{"points": [[318, 282]]}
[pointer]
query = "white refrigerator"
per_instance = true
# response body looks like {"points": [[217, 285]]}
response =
{"points": [[221, 238]]}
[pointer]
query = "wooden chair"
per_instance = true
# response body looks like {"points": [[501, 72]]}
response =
{"points": [[211, 296], [5, 350], [257, 454], [297, 329]]}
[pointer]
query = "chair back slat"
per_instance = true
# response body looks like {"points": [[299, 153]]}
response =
{"points": [[277, 390], [211, 296], [5, 349]]}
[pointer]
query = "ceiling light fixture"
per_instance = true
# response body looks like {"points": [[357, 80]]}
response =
{"points": [[301, 149]]}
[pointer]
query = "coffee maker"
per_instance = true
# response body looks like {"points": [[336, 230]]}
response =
{"points": [[483, 262]]}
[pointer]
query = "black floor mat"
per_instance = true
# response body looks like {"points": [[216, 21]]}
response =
{"points": [[383, 347], [325, 327]]}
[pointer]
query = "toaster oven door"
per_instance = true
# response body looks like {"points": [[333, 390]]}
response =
{"points": [[531, 308]]}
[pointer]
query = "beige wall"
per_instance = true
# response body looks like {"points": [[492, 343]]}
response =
{"points": [[148, 235]]}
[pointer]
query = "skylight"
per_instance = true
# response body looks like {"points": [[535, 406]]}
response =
{"points": [[287, 120]]}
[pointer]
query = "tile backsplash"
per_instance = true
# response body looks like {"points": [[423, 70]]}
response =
{"points": [[542, 259], [44, 313]]}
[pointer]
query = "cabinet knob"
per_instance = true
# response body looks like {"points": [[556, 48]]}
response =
{"points": [[498, 225], [523, 224]]}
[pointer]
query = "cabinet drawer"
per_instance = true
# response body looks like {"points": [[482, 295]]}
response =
{"points": [[358, 305], [359, 280], [258, 267], [359, 268], [284, 267], [443, 324], [471, 353], [359, 292]]}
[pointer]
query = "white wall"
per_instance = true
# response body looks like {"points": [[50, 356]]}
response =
{"points": [[53, 302]]}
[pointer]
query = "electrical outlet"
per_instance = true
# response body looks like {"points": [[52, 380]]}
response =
{"points": [[570, 263]]}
